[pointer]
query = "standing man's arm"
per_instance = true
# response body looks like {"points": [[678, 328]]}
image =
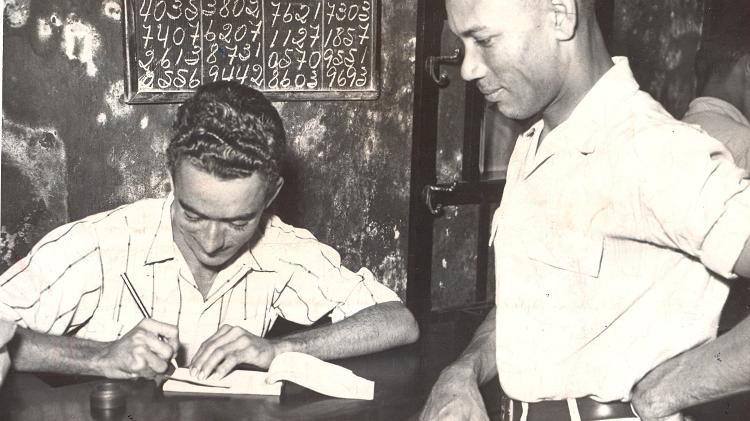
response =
{"points": [[709, 372], [456, 395]]}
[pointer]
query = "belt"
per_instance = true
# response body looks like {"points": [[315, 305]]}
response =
{"points": [[584, 409]]}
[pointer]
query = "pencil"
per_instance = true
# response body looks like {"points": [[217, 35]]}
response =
{"points": [[140, 305]]}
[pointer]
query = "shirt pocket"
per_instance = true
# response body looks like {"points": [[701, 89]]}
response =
{"points": [[569, 250]]}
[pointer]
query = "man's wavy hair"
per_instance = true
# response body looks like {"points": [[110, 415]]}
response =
{"points": [[229, 130]]}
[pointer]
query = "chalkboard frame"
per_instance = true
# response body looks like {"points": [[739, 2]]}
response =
{"points": [[133, 96]]}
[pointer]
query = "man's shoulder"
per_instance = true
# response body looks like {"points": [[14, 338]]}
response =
{"points": [[648, 124], [284, 243], [276, 231], [145, 211]]}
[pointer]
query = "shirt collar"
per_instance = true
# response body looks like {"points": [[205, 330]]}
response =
{"points": [[719, 106], [606, 97], [162, 247]]}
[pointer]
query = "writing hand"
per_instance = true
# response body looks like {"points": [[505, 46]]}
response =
{"points": [[455, 396], [228, 347], [145, 351]]}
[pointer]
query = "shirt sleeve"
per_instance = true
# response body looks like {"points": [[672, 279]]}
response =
{"points": [[55, 288], [693, 197], [319, 284]]}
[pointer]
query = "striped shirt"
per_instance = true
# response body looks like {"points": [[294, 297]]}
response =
{"points": [[71, 282]]}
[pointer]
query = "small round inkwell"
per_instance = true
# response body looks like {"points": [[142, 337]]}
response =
{"points": [[107, 401]]}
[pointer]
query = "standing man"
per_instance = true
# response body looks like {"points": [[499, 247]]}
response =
{"points": [[617, 231], [213, 267]]}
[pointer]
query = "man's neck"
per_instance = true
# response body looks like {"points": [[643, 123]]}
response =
{"points": [[589, 64]]}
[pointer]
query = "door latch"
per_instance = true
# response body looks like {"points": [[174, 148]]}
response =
{"points": [[428, 194], [432, 66]]}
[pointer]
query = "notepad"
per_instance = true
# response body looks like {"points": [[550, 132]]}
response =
{"points": [[302, 369]]}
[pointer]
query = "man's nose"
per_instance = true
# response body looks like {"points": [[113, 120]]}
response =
{"points": [[212, 237], [472, 67]]}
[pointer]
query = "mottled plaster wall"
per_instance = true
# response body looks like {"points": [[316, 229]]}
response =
{"points": [[71, 147], [661, 39]]}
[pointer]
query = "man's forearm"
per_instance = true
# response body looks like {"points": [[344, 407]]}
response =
{"points": [[373, 329], [479, 355], [712, 371], [34, 351]]}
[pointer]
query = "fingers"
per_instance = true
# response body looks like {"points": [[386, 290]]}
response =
{"points": [[167, 332], [220, 348], [153, 343], [202, 349], [147, 364], [144, 351]]}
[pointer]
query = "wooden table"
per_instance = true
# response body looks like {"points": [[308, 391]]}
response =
{"points": [[403, 378]]}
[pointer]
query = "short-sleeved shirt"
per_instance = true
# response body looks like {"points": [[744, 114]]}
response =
{"points": [[724, 122], [613, 243], [71, 281]]}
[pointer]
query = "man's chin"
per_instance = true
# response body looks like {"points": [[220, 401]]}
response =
{"points": [[216, 262]]}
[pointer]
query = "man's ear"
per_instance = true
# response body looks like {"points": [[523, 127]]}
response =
{"points": [[273, 191], [171, 179], [566, 18], [746, 67]]}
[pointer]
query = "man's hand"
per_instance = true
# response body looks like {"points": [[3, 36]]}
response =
{"points": [[673, 417], [455, 396], [145, 351], [228, 347]]}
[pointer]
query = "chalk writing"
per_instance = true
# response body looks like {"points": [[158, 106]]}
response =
{"points": [[298, 48]]}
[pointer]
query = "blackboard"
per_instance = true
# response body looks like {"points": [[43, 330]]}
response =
{"points": [[289, 49]]}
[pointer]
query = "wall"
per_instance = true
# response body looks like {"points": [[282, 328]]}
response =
{"points": [[661, 39], [71, 147]]}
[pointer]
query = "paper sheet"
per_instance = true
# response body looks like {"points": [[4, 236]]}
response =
{"points": [[320, 376], [239, 381], [305, 370]]}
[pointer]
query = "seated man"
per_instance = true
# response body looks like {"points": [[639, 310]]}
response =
{"points": [[213, 268], [722, 68]]}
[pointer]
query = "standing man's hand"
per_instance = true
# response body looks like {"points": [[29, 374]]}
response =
{"points": [[673, 417], [228, 347], [145, 351], [455, 396]]}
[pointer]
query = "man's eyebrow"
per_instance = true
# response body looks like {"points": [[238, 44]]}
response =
{"points": [[472, 30], [241, 217]]}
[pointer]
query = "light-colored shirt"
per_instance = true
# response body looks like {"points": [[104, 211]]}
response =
{"points": [[611, 244], [724, 122], [70, 282], [6, 334]]}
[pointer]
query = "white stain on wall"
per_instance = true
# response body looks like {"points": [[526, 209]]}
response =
{"points": [[111, 9], [40, 156], [144, 122], [43, 29], [310, 133], [81, 42], [410, 45], [16, 12], [101, 118], [114, 99]]}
